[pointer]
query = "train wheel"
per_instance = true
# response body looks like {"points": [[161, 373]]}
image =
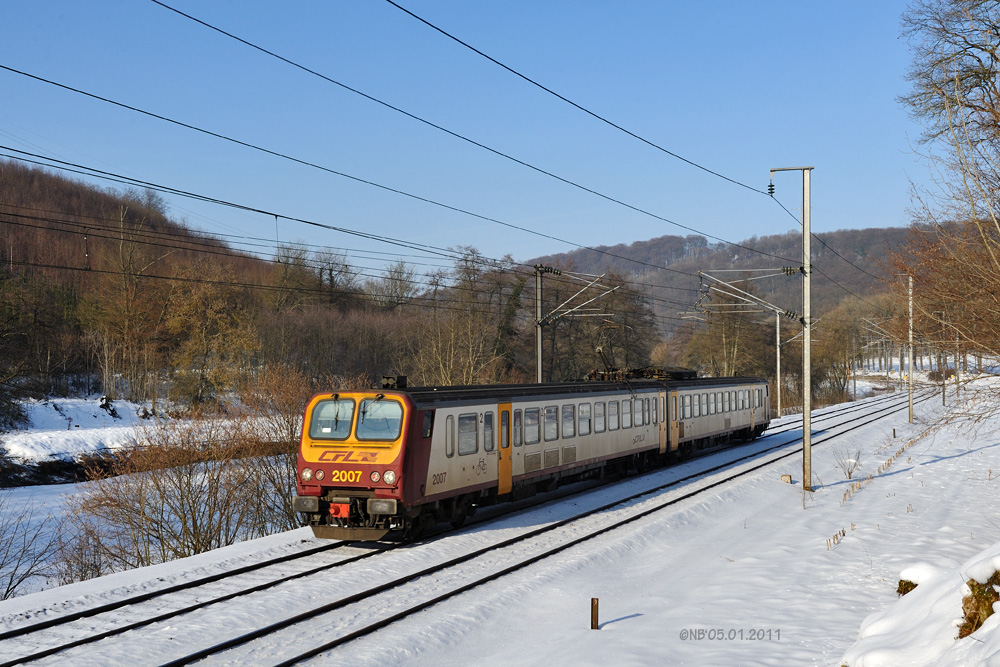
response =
{"points": [[462, 510], [416, 527]]}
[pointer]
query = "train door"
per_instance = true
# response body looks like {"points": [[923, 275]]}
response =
{"points": [[504, 460], [674, 416], [661, 398]]}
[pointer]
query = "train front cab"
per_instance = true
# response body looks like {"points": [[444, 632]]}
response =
{"points": [[350, 467]]}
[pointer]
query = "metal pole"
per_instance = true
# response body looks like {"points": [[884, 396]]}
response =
{"points": [[909, 358], [777, 363], [806, 336], [806, 329], [538, 323]]}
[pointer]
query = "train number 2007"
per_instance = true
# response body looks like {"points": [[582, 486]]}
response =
{"points": [[438, 478], [345, 476]]}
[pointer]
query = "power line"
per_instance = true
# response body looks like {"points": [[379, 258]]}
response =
{"points": [[472, 141], [571, 102]]}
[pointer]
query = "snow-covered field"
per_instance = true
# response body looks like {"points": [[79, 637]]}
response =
{"points": [[752, 574]]}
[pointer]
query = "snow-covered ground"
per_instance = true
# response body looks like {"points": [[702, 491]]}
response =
{"points": [[69, 427], [752, 574]]}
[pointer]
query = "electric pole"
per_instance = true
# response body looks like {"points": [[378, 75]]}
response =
{"points": [[806, 326]]}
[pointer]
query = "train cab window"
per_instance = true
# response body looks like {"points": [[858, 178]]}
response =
{"points": [[517, 428], [428, 426], [489, 441], [468, 434], [612, 415], [504, 429], [551, 428], [599, 421], [449, 436], [379, 418], [331, 420], [531, 431], [584, 414], [568, 421]]}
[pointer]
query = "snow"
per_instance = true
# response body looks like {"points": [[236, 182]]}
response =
{"points": [[67, 428], [749, 573]]}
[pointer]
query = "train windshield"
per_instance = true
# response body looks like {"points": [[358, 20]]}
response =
{"points": [[379, 418], [331, 420]]}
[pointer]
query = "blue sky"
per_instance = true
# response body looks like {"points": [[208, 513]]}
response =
{"points": [[737, 87]]}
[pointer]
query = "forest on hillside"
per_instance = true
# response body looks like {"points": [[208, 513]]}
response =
{"points": [[101, 292]]}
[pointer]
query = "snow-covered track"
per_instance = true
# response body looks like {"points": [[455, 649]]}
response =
{"points": [[35, 631], [281, 642]]}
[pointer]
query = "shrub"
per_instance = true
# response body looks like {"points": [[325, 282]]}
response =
{"points": [[977, 606]]}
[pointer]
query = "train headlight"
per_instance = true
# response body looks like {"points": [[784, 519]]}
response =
{"points": [[389, 477], [320, 475], [306, 474], [375, 476]]}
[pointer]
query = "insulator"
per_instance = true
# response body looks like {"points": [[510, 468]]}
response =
{"points": [[770, 189]]}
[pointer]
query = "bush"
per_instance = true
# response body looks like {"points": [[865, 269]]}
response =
{"points": [[24, 549], [977, 606]]}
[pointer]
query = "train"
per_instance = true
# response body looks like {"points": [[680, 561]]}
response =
{"points": [[397, 460]]}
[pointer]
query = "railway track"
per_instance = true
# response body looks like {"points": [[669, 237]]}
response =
{"points": [[496, 557]]}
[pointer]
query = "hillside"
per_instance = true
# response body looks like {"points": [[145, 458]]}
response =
{"points": [[845, 262]]}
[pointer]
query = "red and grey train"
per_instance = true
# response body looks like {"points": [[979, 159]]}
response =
{"points": [[399, 459]]}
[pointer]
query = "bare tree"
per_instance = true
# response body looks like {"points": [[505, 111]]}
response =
{"points": [[25, 547]]}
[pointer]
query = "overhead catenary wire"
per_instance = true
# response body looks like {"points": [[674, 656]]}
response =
{"points": [[457, 135], [616, 126]]}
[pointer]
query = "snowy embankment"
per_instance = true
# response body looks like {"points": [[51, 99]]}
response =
{"points": [[755, 573], [68, 428]]}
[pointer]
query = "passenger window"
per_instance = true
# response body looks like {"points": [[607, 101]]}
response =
{"points": [[599, 418], [531, 431], [645, 410], [627, 414], [468, 434], [697, 405], [551, 422], [687, 406], [517, 428], [612, 415], [656, 418], [449, 436], [504, 430], [489, 444], [568, 421], [584, 419]]}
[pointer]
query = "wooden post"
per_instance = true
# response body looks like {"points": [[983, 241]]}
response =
{"points": [[594, 625]]}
